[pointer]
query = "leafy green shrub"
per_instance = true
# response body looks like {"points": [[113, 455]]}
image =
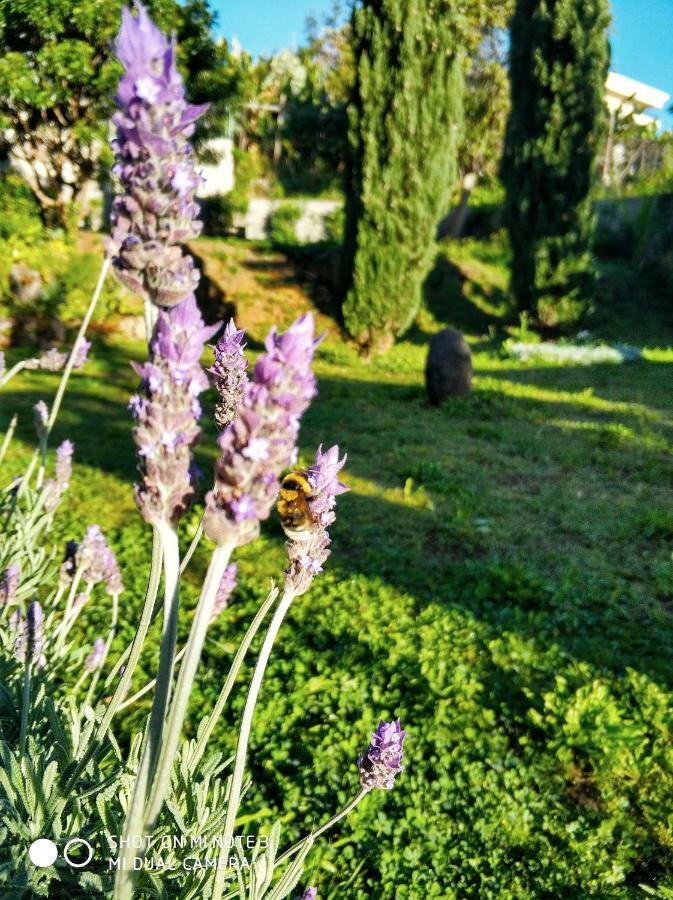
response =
{"points": [[283, 224], [69, 277], [335, 224], [217, 213], [19, 211]]}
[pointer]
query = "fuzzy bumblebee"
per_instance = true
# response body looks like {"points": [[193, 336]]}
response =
{"points": [[293, 505]]}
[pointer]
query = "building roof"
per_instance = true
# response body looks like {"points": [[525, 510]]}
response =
{"points": [[640, 96]]}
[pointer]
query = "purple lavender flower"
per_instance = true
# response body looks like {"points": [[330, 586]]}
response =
{"points": [[260, 442], [382, 760], [97, 562], [229, 374], [9, 584], [54, 361], [156, 212], [30, 639], [311, 893], [225, 590], [308, 550], [167, 416], [97, 656], [55, 487]]}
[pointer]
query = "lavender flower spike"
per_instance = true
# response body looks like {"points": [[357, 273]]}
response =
{"points": [[30, 640], [97, 656], [382, 760], [225, 590], [168, 413], [229, 374], [260, 443], [156, 213], [308, 550], [54, 361], [41, 413], [9, 584], [55, 487], [97, 561], [311, 893]]}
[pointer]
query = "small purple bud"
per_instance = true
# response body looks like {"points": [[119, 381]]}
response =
{"points": [[229, 374], [97, 656], [9, 584], [225, 590], [30, 639], [382, 760]]}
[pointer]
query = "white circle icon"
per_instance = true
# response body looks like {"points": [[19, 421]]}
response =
{"points": [[43, 853], [71, 845]]}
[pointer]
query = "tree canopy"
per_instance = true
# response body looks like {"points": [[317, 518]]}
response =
{"points": [[58, 78]]}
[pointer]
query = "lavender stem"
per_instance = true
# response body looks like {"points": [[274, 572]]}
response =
{"points": [[185, 682], [12, 372], [69, 366], [243, 738], [7, 440], [108, 643], [192, 547], [323, 828], [231, 677], [25, 705], [134, 655], [153, 737]]}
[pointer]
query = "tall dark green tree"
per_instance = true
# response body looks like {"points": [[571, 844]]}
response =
{"points": [[559, 56], [404, 127]]}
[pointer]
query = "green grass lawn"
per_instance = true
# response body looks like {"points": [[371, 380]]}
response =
{"points": [[501, 579]]}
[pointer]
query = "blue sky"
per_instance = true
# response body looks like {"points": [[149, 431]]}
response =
{"points": [[642, 33]]}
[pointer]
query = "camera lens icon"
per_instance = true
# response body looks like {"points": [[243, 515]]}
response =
{"points": [[72, 853]]}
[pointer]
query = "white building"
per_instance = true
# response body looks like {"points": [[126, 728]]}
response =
{"points": [[625, 96]]}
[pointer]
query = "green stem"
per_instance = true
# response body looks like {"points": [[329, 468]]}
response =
{"points": [[323, 828], [25, 705], [65, 377], [10, 373], [108, 643], [7, 440], [153, 737], [185, 682], [64, 626], [192, 547], [243, 738], [147, 687], [56, 406], [134, 655], [231, 677]]}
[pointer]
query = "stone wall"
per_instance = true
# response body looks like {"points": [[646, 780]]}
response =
{"points": [[311, 226]]}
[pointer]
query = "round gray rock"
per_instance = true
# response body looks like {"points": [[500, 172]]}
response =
{"points": [[448, 370]]}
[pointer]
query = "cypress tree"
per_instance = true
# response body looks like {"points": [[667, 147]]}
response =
{"points": [[404, 126], [559, 57]]}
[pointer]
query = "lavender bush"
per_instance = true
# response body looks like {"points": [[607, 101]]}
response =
{"points": [[126, 805]]}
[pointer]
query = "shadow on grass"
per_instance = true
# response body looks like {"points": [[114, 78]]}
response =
{"points": [[454, 299], [423, 476]]}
